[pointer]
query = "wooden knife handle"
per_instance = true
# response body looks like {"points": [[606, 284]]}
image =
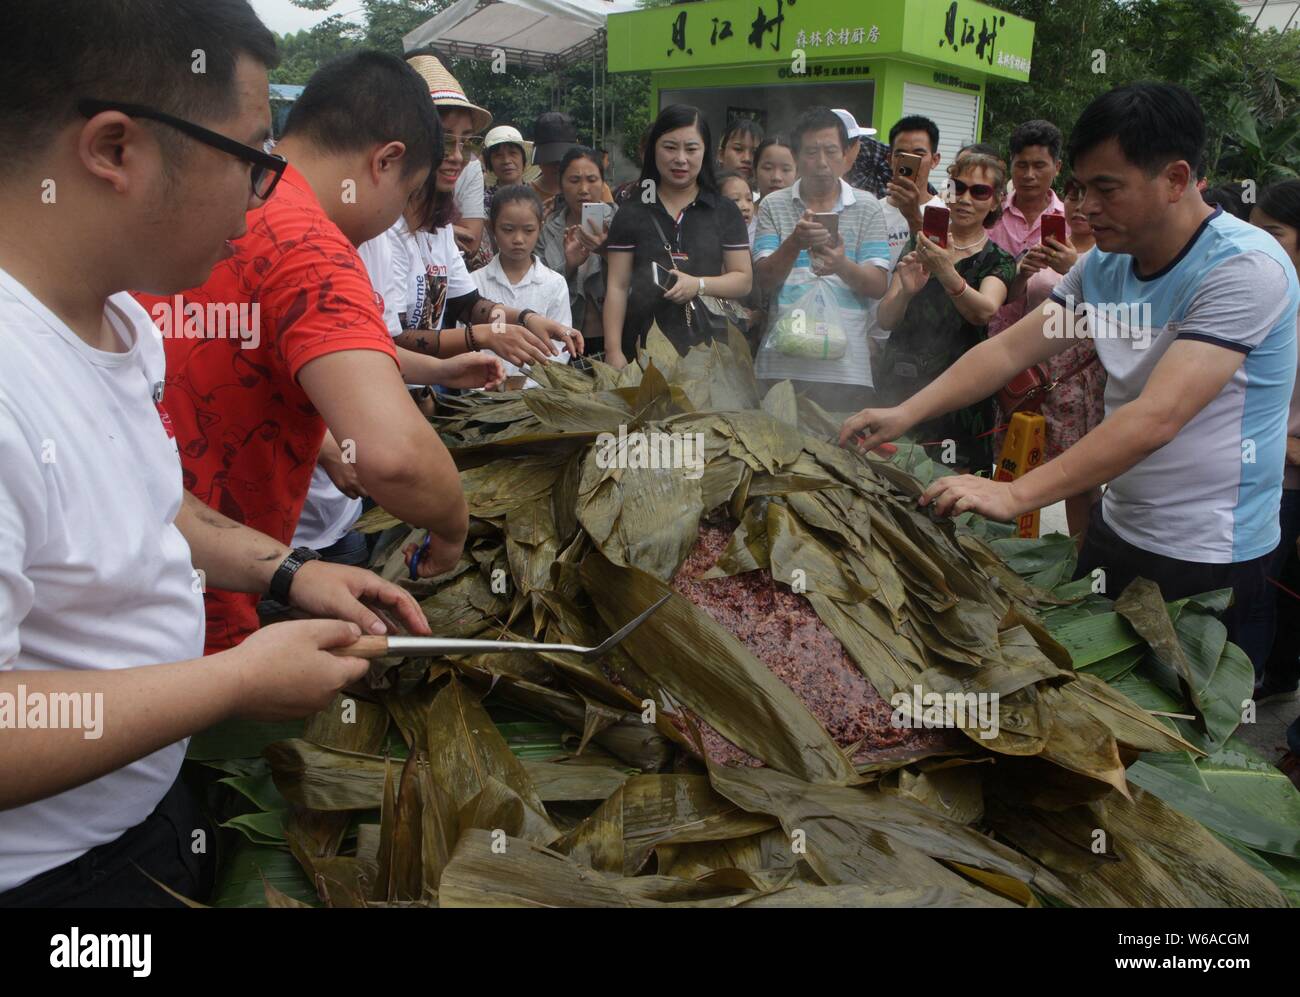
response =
{"points": [[366, 647]]}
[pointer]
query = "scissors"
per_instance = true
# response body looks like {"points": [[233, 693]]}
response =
{"points": [[416, 557]]}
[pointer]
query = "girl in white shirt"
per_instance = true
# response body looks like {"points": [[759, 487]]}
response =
{"points": [[515, 277]]}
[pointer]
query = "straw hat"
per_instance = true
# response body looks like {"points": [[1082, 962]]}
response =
{"points": [[446, 91]]}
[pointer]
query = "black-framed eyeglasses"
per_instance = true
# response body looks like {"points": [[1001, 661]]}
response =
{"points": [[267, 168]]}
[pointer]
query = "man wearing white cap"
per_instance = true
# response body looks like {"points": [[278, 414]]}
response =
{"points": [[867, 159]]}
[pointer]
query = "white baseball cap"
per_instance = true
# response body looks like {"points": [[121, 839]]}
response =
{"points": [[851, 124]]}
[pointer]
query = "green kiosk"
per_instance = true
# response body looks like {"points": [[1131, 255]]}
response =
{"points": [[880, 59]]}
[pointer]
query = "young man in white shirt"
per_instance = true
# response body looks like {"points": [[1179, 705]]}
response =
{"points": [[101, 608], [904, 205]]}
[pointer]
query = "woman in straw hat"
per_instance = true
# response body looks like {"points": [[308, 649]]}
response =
{"points": [[506, 158], [443, 312], [463, 125]]}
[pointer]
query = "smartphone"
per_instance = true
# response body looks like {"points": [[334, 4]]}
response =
{"points": [[934, 223], [830, 221], [1053, 228], [908, 164], [664, 278], [593, 217]]}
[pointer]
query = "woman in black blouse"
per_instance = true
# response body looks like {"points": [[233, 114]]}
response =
{"points": [[687, 228]]}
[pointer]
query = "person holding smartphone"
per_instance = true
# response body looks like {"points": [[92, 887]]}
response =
{"points": [[939, 305], [798, 259], [689, 228], [574, 233], [913, 153], [1035, 163]]}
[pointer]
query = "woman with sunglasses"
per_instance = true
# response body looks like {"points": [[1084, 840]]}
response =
{"points": [[939, 304]]}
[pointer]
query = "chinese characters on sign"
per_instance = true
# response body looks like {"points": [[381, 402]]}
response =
{"points": [[959, 39], [837, 36], [1013, 62], [786, 73], [679, 35], [954, 81], [760, 29], [763, 24]]}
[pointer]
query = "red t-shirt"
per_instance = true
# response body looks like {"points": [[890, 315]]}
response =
{"points": [[248, 434]]}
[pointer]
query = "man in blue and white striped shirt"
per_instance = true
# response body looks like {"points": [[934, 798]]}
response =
{"points": [[794, 254]]}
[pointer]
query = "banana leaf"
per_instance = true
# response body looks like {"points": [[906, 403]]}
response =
{"points": [[466, 754], [1233, 792], [246, 871], [863, 836], [648, 811]]}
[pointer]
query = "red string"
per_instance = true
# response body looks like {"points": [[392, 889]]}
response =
{"points": [[1293, 595], [995, 429]]}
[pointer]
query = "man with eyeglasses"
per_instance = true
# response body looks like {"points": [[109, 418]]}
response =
{"points": [[124, 168], [822, 282]]}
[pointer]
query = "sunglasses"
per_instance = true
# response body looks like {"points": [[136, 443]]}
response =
{"points": [[472, 145], [978, 191], [267, 168]]}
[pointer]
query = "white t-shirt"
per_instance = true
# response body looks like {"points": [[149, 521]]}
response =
{"points": [[94, 573], [468, 191], [436, 272], [328, 514], [541, 289]]}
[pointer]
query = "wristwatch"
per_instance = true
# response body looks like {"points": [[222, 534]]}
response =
{"points": [[701, 285], [523, 317], [283, 577]]}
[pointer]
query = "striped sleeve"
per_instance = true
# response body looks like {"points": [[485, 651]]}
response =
{"points": [[873, 246], [622, 230], [766, 237]]}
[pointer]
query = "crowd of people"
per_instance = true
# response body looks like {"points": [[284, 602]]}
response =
{"points": [[163, 493]]}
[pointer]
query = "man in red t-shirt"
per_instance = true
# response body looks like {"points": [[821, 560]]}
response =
{"points": [[250, 404]]}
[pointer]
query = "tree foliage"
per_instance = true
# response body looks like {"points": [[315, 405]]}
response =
{"points": [[1248, 81]]}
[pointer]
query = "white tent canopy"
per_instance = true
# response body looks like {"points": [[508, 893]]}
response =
{"points": [[539, 34]]}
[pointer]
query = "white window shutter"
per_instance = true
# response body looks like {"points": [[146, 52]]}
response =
{"points": [[956, 114]]}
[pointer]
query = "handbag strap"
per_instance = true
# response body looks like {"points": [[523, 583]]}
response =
{"points": [[664, 239], [1078, 368]]}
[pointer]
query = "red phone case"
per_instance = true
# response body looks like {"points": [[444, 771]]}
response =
{"points": [[1053, 227], [934, 223]]}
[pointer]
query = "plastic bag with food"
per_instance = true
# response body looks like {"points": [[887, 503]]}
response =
{"points": [[810, 327]]}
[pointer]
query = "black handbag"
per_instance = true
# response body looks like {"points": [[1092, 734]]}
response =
{"points": [[707, 316]]}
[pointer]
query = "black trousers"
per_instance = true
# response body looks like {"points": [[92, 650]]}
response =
{"points": [[1247, 617], [109, 875]]}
